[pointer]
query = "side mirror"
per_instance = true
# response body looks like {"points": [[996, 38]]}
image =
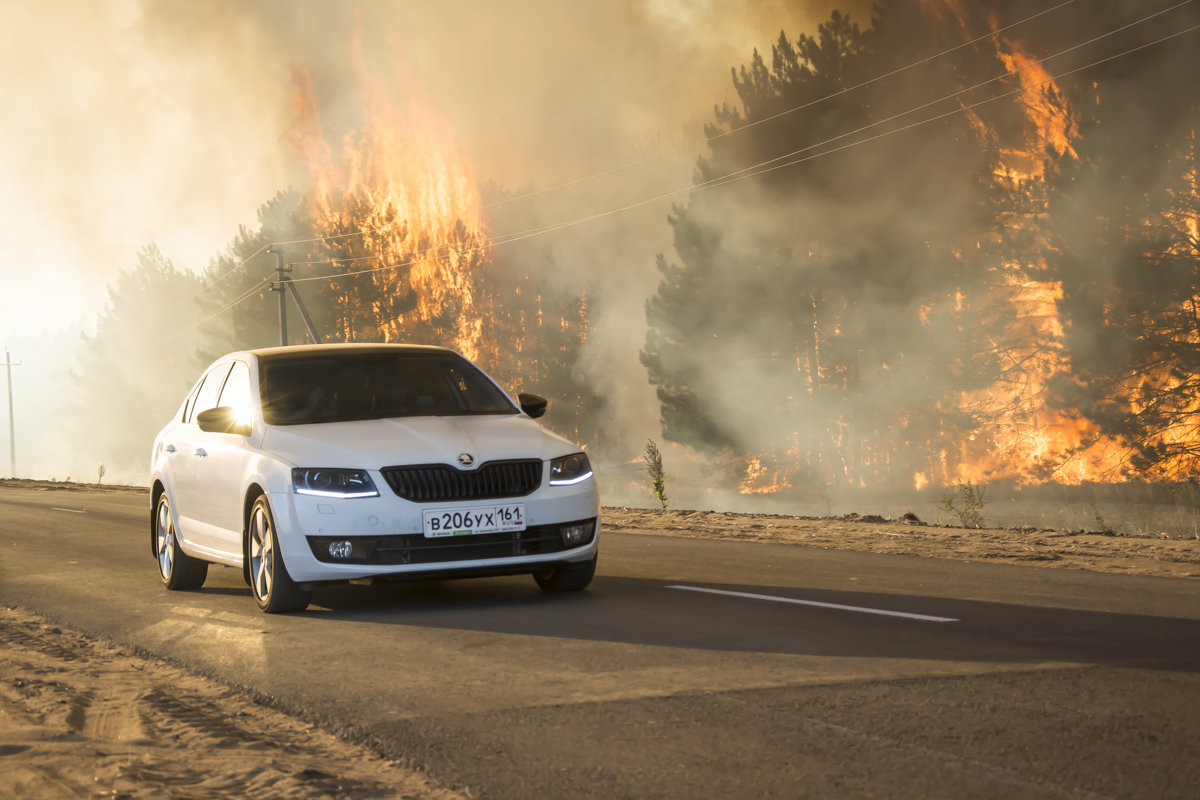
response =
{"points": [[532, 404], [221, 419]]}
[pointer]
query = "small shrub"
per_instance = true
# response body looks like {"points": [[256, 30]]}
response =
{"points": [[1102, 525], [970, 512], [654, 469]]}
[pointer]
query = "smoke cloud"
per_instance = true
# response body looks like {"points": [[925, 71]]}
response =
{"points": [[144, 122], [149, 121]]}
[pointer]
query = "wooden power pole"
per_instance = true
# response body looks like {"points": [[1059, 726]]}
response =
{"points": [[284, 286], [12, 441]]}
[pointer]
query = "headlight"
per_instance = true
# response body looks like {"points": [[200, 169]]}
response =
{"points": [[569, 470], [333, 482]]}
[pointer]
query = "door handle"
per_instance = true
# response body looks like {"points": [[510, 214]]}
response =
{"points": [[200, 452], [170, 448]]}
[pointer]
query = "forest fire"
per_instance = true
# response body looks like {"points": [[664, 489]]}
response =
{"points": [[1022, 439], [1021, 426], [967, 388], [401, 182], [916, 245]]}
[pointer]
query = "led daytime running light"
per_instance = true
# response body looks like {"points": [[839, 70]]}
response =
{"points": [[335, 483], [572, 481], [570, 470], [320, 493]]}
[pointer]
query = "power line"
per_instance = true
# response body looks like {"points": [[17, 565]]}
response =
{"points": [[505, 239], [963, 109], [246, 295], [794, 109], [730, 132], [208, 287], [340, 235], [765, 166], [968, 90], [547, 229], [756, 169]]}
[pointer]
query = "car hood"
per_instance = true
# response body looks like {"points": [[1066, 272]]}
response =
{"points": [[371, 444]]}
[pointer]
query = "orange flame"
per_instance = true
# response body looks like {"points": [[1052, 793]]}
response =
{"points": [[402, 182], [763, 479], [1021, 438], [1053, 122]]}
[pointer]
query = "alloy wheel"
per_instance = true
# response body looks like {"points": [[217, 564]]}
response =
{"points": [[262, 554], [165, 535]]}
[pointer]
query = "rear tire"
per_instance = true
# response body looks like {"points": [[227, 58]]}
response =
{"points": [[566, 577], [274, 590], [177, 569]]}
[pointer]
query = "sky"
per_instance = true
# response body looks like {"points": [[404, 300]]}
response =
{"points": [[131, 122]]}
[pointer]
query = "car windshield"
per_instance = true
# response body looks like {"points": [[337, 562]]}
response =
{"points": [[354, 386]]}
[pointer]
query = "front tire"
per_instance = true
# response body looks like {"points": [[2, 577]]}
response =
{"points": [[274, 590], [177, 569], [566, 577]]}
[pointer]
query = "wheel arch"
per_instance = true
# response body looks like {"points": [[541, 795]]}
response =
{"points": [[156, 491]]}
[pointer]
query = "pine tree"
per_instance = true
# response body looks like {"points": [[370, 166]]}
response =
{"points": [[822, 314]]}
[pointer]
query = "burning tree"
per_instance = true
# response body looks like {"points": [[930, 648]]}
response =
{"points": [[832, 296], [1006, 293], [1122, 226]]}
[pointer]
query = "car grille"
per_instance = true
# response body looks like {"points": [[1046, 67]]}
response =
{"points": [[414, 548], [432, 483]]}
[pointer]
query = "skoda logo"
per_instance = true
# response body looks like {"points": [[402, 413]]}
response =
{"points": [[466, 459]]}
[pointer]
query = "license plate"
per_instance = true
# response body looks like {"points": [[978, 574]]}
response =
{"points": [[473, 521]]}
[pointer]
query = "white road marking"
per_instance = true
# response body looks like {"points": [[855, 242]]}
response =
{"points": [[69, 510], [834, 606]]}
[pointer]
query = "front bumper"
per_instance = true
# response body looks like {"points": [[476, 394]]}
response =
{"points": [[387, 535]]}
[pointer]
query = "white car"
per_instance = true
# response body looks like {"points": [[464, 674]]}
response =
{"points": [[329, 463]]}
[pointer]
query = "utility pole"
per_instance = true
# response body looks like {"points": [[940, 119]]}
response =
{"points": [[12, 441], [308, 323], [282, 285]]}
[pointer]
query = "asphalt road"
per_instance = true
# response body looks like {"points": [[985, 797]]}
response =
{"points": [[1001, 681]]}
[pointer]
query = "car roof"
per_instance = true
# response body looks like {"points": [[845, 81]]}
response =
{"points": [[272, 353]]}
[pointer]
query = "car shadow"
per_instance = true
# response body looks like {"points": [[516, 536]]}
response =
{"points": [[652, 613]]}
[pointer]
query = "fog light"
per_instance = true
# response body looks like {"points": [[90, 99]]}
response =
{"points": [[341, 549], [573, 535]]}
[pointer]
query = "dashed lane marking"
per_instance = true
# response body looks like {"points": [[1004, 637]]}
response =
{"points": [[816, 604], [69, 510]]}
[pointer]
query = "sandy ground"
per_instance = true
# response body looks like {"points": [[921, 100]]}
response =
{"points": [[1099, 552], [83, 718]]}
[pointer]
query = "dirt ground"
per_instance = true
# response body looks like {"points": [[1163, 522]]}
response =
{"points": [[83, 718], [1098, 552]]}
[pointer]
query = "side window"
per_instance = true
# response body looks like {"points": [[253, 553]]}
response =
{"points": [[187, 406], [236, 393], [206, 398]]}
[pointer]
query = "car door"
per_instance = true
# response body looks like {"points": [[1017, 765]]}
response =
{"points": [[221, 468], [190, 451], [176, 463]]}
